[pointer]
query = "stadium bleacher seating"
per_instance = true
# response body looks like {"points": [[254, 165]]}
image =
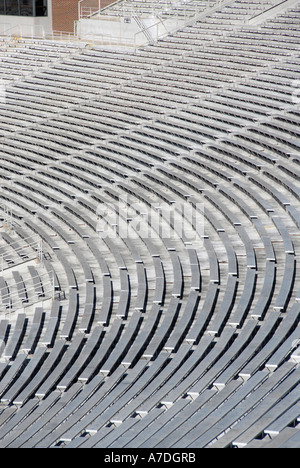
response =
{"points": [[170, 329]]}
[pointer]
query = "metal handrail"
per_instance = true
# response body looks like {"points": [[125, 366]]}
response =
{"points": [[80, 8], [12, 302], [17, 32]]}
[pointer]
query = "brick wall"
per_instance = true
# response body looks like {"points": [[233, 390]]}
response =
{"points": [[65, 12]]}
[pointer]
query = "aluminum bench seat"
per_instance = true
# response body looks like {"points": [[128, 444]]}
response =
{"points": [[198, 371], [106, 437], [190, 417], [142, 292], [7, 414], [124, 344], [28, 437], [111, 337], [243, 306], [84, 355], [21, 288], [60, 369], [144, 336], [213, 261], [284, 351], [156, 371], [149, 400], [64, 406], [196, 281], [87, 270], [262, 334], [266, 294], [287, 283], [277, 410], [222, 312], [231, 255], [89, 308], [282, 332], [125, 294], [97, 254], [178, 283], [72, 280], [294, 214], [12, 372], [124, 303], [249, 248], [264, 204], [4, 332], [288, 418], [292, 441], [281, 389], [54, 356], [160, 281], [107, 302], [137, 436], [38, 285], [43, 235], [105, 408], [28, 373], [52, 325], [24, 418], [182, 328], [165, 395], [205, 314], [71, 315], [268, 244], [5, 293], [230, 413], [286, 238], [116, 253], [16, 338], [35, 330], [161, 335], [195, 171]]}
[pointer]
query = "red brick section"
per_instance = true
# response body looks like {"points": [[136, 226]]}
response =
{"points": [[65, 12]]}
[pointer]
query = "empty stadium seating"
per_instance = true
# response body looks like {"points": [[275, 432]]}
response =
{"points": [[170, 329]]}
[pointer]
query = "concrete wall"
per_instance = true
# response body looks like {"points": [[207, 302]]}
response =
{"points": [[108, 27], [119, 30]]}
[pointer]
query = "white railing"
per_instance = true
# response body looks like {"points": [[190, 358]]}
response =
{"points": [[23, 251], [62, 36], [161, 27], [180, 21], [87, 12], [87, 8], [129, 8], [13, 302], [24, 31], [108, 40], [164, 21]]}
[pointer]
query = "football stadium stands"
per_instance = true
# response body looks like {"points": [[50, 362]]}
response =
{"points": [[163, 183]]}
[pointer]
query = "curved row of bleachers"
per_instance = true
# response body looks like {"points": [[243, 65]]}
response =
{"points": [[165, 333]]}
